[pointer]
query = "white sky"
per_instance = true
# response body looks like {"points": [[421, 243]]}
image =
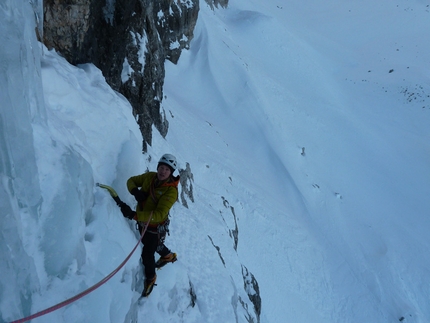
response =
{"points": [[294, 129]]}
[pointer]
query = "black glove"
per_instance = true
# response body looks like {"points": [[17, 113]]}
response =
{"points": [[139, 195], [127, 211]]}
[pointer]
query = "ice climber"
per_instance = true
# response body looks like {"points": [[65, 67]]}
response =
{"points": [[155, 193]]}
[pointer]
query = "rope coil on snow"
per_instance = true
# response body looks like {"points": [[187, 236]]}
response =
{"points": [[89, 290]]}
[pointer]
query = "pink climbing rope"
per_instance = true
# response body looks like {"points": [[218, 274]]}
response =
{"points": [[87, 291]]}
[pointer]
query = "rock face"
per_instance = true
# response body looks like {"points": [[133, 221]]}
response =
{"points": [[128, 40], [214, 3]]}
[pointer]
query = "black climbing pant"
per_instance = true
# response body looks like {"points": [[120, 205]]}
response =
{"points": [[153, 242]]}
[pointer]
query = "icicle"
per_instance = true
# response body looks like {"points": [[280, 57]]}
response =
{"points": [[38, 15]]}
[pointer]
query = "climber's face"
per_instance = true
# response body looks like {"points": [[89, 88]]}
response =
{"points": [[163, 172]]}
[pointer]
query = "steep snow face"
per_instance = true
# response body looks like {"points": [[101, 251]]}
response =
{"points": [[318, 114], [301, 132]]}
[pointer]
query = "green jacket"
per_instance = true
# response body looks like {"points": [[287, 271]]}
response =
{"points": [[161, 196]]}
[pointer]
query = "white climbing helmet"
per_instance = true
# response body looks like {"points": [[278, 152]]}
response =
{"points": [[169, 160]]}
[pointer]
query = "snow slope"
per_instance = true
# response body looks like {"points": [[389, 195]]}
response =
{"points": [[303, 98], [305, 130]]}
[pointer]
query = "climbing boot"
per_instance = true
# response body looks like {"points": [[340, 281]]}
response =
{"points": [[149, 285], [171, 257]]}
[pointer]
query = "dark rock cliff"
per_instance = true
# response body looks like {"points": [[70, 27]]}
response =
{"points": [[128, 40]]}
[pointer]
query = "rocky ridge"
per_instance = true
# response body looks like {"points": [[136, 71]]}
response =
{"points": [[129, 41]]}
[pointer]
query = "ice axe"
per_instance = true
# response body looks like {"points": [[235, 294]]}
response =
{"points": [[125, 209]]}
